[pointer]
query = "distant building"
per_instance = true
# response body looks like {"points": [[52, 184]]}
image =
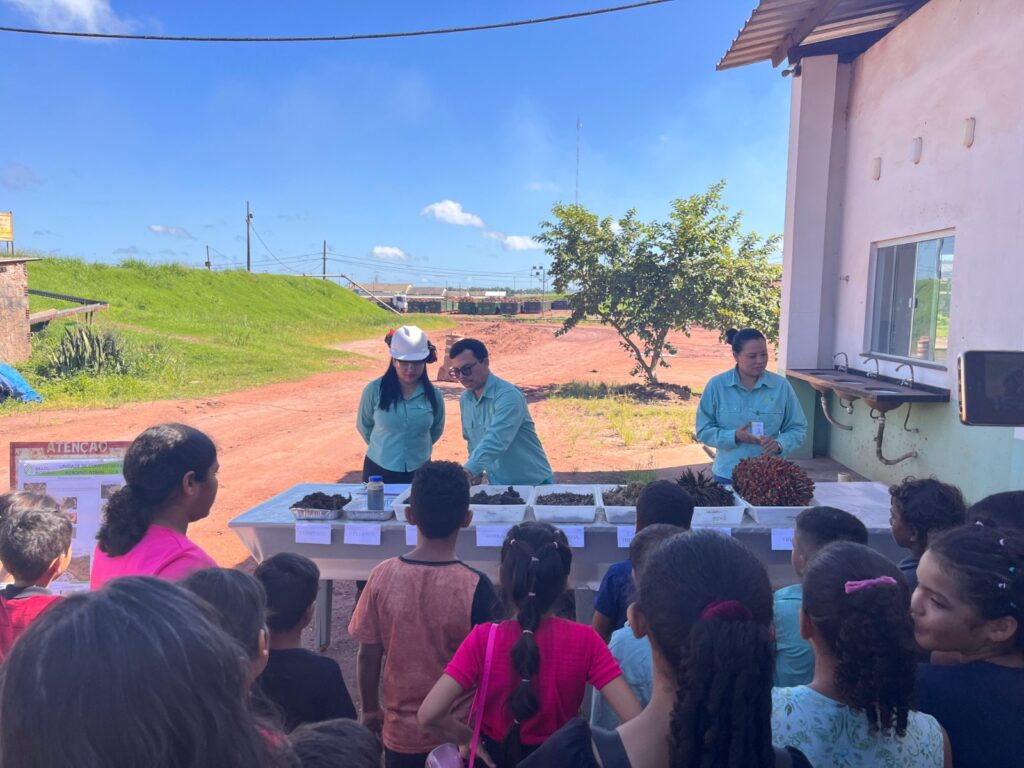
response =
{"points": [[904, 215]]}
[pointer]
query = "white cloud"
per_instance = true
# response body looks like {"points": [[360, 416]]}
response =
{"points": [[389, 253], [542, 186], [451, 212], [514, 242], [179, 232], [16, 177], [73, 15]]}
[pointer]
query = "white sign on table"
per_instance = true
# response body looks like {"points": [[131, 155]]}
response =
{"points": [[782, 539], [575, 534], [362, 534], [624, 535], [312, 533], [491, 535], [410, 536]]}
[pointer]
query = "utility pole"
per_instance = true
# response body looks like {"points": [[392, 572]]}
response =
{"points": [[208, 265], [248, 249], [325, 260], [542, 273]]}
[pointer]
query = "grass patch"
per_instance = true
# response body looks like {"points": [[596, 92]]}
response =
{"points": [[192, 333], [621, 418]]}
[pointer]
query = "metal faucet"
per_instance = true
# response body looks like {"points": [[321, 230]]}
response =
{"points": [[906, 382], [845, 367], [869, 374]]}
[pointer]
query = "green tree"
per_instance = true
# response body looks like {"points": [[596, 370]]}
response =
{"points": [[645, 279]]}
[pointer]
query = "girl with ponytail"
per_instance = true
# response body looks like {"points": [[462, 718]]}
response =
{"points": [[705, 602], [857, 708], [170, 473], [541, 664]]}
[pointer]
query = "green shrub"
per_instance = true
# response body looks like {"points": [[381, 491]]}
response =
{"points": [[84, 350]]}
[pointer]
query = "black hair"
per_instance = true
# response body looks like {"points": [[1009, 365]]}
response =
{"points": [[477, 347], [645, 542], [291, 582], [928, 505], [988, 566], [724, 661], [738, 339], [137, 674], [154, 466], [535, 564], [17, 501], [439, 497], [869, 632], [1002, 510], [663, 501], [335, 743], [391, 388], [31, 539], [819, 526], [239, 601]]}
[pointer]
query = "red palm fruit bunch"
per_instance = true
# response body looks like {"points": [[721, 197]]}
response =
{"points": [[768, 481]]}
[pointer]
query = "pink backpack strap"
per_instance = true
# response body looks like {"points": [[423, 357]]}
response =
{"points": [[481, 695]]}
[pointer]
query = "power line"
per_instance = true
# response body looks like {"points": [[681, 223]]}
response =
{"points": [[336, 38], [267, 248]]}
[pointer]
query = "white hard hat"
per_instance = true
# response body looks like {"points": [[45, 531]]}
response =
{"points": [[409, 343]]}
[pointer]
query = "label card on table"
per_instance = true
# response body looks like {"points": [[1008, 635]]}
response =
{"points": [[491, 535], [624, 535], [410, 536], [365, 534], [575, 534], [782, 539], [312, 533]]}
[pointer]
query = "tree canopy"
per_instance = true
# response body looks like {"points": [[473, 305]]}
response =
{"points": [[645, 279]]}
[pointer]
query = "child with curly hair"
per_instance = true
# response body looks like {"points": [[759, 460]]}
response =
{"points": [[920, 508], [857, 708]]}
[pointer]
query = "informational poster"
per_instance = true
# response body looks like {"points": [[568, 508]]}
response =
{"points": [[81, 476]]}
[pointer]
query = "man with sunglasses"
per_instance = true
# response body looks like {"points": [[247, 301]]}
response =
{"points": [[496, 423]]}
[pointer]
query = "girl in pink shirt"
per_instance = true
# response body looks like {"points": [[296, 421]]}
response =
{"points": [[540, 665], [170, 472]]}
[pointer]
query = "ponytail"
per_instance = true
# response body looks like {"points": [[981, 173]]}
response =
{"points": [[535, 563], [707, 602], [859, 604], [154, 466]]}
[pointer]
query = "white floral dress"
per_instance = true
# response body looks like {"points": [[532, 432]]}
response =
{"points": [[832, 735]]}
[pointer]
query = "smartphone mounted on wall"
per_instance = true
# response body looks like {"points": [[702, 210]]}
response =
{"points": [[991, 384]]}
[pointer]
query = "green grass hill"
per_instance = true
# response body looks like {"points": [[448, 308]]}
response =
{"points": [[191, 332]]}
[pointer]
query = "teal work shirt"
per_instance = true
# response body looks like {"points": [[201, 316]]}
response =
{"points": [[727, 405], [401, 438], [501, 436]]}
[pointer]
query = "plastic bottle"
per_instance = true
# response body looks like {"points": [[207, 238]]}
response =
{"points": [[375, 494]]}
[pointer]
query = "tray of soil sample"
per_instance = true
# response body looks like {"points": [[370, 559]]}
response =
{"points": [[319, 506], [619, 502], [564, 503], [489, 503], [357, 509], [774, 517]]}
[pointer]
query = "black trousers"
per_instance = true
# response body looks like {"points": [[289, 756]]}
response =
{"points": [[389, 475]]}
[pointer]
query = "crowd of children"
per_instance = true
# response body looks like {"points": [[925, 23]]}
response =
{"points": [[172, 661]]}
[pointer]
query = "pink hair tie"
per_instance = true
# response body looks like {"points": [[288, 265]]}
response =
{"points": [[726, 610], [857, 586]]}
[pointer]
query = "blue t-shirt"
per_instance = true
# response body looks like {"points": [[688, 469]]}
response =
{"points": [[794, 659], [615, 593], [634, 656], [981, 706]]}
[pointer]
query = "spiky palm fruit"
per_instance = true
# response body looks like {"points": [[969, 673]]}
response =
{"points": [[704, 490], [768, 481]]}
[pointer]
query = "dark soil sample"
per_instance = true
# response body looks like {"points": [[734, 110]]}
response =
{"points": [[510, 496], [320, 500], [566, 500], [624, 495]]}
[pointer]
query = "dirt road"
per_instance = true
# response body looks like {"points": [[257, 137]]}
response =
{"points": [[273, 437]]}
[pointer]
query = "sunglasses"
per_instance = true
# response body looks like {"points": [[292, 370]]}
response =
{"points": [[464, 371]]}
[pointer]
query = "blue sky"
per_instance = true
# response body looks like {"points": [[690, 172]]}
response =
{"points": [[424, 159]]}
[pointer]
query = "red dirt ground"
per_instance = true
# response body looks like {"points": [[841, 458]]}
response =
{"points": [[275, 436]]}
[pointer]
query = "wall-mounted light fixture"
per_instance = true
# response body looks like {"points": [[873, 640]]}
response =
{"points": [[916, 146], [876, 168], [968, 137]]}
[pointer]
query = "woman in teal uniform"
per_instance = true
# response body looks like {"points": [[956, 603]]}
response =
{"points": [[747, 410], [401, 414]]}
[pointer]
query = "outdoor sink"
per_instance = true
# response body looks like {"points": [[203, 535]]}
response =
{"points": [[878, 393]]}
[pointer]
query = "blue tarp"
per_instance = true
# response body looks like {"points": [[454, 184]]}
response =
{"points": [[12, 381]]}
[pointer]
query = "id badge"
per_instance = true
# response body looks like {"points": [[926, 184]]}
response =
{"points": [[757, 428]]}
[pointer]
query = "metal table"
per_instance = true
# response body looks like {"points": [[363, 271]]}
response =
{"points": [[269, 528]]}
